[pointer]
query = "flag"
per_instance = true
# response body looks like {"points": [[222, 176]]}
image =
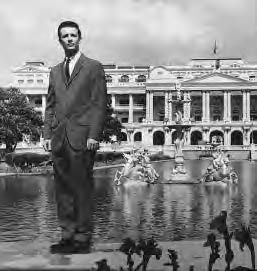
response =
{"points": [[215, 49]]}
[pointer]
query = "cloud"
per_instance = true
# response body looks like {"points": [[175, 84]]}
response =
{"points": [[127, 31]]}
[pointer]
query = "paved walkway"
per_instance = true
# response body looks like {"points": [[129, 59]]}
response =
{"points": [[33, 256]]}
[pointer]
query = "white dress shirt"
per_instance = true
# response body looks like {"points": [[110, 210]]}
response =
{"points": [[73, 61]]}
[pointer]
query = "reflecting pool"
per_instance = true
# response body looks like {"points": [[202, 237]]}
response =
{"points": [[166, 212]]}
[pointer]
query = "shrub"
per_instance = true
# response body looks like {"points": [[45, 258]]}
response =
{"points": [[26, 159]]}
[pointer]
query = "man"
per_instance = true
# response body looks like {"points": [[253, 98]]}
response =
{"points": [[74, 119]]}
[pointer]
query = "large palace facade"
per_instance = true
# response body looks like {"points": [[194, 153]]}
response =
{"points": [[219, 100]]}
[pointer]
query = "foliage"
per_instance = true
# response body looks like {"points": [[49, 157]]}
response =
{"points": [[112, 126], [219, 223], [27, 160], [102, 265], [108, 156], [215, 245], [173, 256], [143, 248], [243, 236], [17, 118]]}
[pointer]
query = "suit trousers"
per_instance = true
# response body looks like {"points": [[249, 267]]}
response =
{"points": [[73, 174]]}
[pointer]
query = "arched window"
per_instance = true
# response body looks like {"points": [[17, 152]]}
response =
{"points": [[141, 78], [174, 136], [123, 136], [108, 78], [124, 78], [253, 137], [138, 136], [158, 138], [196, 136], [217, 137], [236, 138]]}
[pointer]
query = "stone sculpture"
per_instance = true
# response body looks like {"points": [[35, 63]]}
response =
{"points": [[136, 170], [220, 170]]}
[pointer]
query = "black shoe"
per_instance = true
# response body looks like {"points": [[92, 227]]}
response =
{"points": [[65, 246], [81, 247], [70, 246]]}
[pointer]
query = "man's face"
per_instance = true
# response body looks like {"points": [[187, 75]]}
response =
{"points": [[69, 39]]}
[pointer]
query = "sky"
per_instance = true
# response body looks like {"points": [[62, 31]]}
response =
{"points": [[127, 32]]}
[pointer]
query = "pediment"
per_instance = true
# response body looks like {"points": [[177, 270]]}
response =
{"points": [[31, 69], [159, 72], [216, 78]]}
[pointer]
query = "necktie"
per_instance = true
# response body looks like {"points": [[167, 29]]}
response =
{"points": [[67, 68]]}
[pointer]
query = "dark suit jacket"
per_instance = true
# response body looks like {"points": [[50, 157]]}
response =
{"points": [[76, 107]]}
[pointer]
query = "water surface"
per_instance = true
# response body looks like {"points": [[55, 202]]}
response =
{"points": [[166, 212]]}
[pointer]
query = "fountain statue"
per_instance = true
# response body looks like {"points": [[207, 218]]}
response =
{"points": [[137, 169], [220, 171], [179, 173]]}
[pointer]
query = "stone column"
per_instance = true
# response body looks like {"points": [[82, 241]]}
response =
{"points": [[130, 136], [130, 120], [186, 106], [205, 134], [246, 136], [187, 137], [244, 106], [204, 105], [229, 137], [43, 105], [151, 107], [225, 104], [248, 105], [226, 136], [166, 114], [189, 106], [207, 106], [229, 106], [147, 106], [170, 107], [167, 136], [113, 101]]}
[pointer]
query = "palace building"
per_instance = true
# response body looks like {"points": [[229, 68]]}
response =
{"points": [[219, 100]]}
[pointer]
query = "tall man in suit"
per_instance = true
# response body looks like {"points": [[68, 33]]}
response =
{"points": [[74, 119]]}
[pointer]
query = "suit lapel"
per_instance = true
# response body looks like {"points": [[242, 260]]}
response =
{"points": [[62, 72], [76, 69]]}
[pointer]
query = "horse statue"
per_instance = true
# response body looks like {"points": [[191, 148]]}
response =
{"points": [[136, 170], [220, 171]]}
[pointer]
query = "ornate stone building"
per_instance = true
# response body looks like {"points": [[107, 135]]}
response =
{"points": [[220, 100]]}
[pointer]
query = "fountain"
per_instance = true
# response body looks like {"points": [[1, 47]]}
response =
{"points": [[220, 170], [179, 173], [137, 169]]}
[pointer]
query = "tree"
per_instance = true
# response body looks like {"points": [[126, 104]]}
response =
{"points": [[112, 126], [17, 119]]}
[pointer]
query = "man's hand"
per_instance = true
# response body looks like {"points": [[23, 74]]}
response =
{"points": [[47, 144], [92, 144]]}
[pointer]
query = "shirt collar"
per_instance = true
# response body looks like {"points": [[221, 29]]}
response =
{"points": [[75, 57]]}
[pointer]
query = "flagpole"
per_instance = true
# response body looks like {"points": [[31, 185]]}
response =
{"points": [[217, 62]]}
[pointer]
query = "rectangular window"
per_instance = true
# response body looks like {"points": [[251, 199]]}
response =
{"points": [[235, 118], [124, 120]]}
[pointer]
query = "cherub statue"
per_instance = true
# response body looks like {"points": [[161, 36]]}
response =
{"points": [[178, 117]]}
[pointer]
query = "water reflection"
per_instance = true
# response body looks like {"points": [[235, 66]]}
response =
{"points": [[166, 212]]}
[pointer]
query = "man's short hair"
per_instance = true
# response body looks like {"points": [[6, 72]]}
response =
{"points": [[68, 24]]}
